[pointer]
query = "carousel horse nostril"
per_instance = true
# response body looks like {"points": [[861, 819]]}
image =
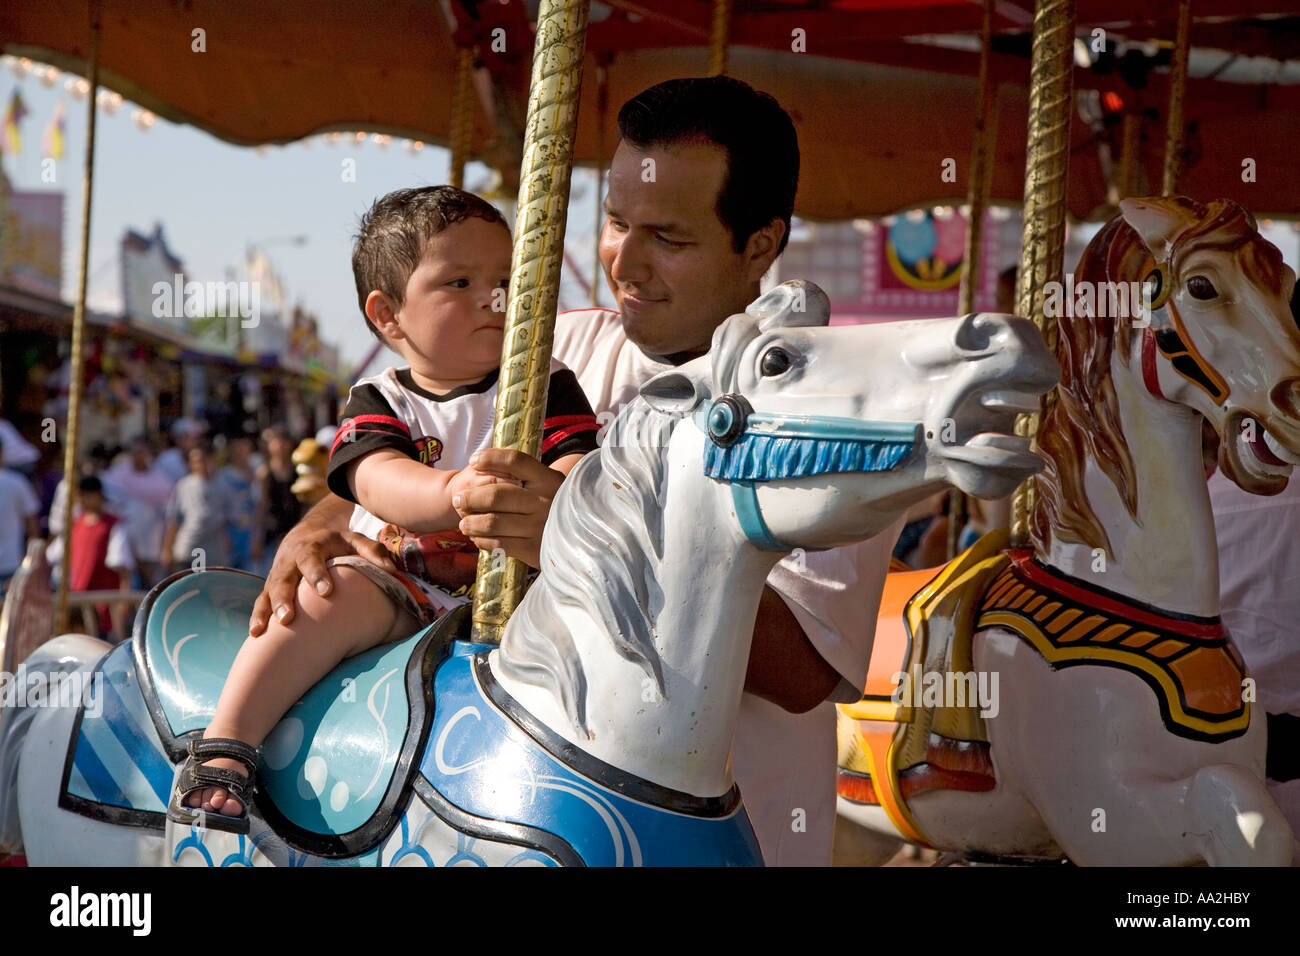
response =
{"points": [[978, 330], [1286, 397]]}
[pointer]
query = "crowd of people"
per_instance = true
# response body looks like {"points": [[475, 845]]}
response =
{"points": [[142, 512]]}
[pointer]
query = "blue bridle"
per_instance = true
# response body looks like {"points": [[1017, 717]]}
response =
{"points": [[745, 447]]}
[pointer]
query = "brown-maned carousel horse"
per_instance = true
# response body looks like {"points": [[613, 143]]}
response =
{"points": [[1081, 698]]}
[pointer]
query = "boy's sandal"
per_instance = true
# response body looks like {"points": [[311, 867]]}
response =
{"points": [[195, 775]]}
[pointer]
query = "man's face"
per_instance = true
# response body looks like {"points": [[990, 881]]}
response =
{"points": [[667, 257]]}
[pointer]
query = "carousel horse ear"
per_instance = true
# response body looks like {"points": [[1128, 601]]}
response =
{"points": [[673, 393], [1159, 221], [797, 302]]}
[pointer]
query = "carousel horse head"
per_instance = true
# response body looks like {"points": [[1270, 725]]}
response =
{"points": [[825, 434], [1212, 332]]}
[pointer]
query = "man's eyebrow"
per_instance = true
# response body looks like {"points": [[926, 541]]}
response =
{"points": [[652, 226]]}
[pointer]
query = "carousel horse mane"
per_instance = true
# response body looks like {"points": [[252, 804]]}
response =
{"points": [[601, 551], [1083, 421]]}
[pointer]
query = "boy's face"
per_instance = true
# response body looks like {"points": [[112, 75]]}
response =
{"points": [[667, 256], [199, 462], [91, 501], [452, 323]]}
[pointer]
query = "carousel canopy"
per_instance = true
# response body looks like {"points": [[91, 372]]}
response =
{"points": [[882, 91]]}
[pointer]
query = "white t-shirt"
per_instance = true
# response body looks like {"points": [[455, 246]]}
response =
{"points": [[17, 503], [391, 410], [1259, 585], [784, 763]]}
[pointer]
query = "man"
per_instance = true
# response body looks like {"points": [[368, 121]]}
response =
{"points": [[196, 516], [139, 493], [174, 461], [701, 190]]}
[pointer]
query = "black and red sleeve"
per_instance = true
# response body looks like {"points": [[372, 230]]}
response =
{"points": [[368, 424], [570, 426]]}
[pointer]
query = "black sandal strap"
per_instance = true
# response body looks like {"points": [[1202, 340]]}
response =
{"points": [[232, 781], [206, 748]]}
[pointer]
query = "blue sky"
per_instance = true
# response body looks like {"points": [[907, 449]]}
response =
{"points": [[213, 199]]}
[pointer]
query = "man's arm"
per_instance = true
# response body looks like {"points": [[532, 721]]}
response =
{"points": [[320, 535], [784, 667]]}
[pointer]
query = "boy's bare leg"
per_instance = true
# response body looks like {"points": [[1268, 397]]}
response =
{"points": [[273, 671]]}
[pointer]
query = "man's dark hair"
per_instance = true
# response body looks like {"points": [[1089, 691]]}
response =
{"points": [[392, 235], [757, 135], [89, 484]]}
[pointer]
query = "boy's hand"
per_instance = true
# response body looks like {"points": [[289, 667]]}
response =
{"points": [[510, 512], [465, 479]]}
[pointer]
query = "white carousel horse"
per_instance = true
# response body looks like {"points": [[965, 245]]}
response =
{"points": [[1113, 723], [599, 732]]}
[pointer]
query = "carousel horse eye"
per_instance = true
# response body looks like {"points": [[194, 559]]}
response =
{"points": [[1201, 288], [774, 362]]}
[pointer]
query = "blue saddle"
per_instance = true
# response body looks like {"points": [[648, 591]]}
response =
{"points": [[332, 772]]}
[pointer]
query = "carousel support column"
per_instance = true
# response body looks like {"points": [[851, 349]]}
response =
{"points": [[78, 327], [1174, 129], [602, 111], [977, 191], [534, 275], [1043, 243], [1126, 183], [720, 38], [462, 124]]}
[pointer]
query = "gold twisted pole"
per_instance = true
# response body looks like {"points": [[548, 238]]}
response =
{"points": [[602, 109], [461, 116], [720, 37], [1174, 130], [71, 437], [534, 275], [977, 190], [1042, 252]]}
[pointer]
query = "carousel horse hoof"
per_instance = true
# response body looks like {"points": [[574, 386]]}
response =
{"points": [[195, 776]]}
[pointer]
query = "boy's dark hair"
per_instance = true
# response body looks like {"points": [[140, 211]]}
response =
{"points": [[392, 235], [757, 135], [90, 483]]}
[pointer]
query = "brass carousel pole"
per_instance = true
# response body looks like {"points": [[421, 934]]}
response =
{"points": [[78, 328], [977, 191], [1174, 130], [462, 123], [602, 110], [534, 275], [720, 38], [1042, 253]]}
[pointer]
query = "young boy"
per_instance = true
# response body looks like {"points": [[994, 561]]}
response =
{"points": [[431, 266], [101, 554]]}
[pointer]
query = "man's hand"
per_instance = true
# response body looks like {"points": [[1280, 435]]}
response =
{"points": [[510, 513], [321, 534]]}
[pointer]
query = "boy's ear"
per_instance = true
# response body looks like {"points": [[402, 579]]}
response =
{"points": [[382, 314]]}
